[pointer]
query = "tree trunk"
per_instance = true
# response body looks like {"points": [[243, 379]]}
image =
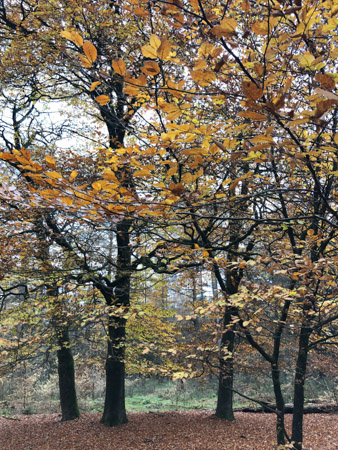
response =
{"points": [[280, 404], [298, 399], [114, 406], [224, 409], [68, 400]]}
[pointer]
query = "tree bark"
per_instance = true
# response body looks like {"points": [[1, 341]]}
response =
{"points": [[224, 409], [280, 404], [114, 412], [298, 400], [114, 406], [68, 399]]}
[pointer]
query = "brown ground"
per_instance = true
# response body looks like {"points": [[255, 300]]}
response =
{"points": [[161, 431]]}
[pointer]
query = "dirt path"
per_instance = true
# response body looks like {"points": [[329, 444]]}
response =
{"points": [[161, 431]]}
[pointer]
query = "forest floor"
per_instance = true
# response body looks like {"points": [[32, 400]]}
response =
{"points": [[170, 430]]}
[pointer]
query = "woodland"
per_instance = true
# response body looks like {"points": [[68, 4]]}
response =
{"points": [[168, 213]]}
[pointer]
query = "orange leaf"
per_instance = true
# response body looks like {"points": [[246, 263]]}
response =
{"points": [[53, 175], [177, 188], [73, 175], [94, 85], [119, 67], [102, 99], [85, 62], [90, 51]]}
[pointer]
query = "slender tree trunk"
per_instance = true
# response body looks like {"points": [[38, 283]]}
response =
{"points": [[298, 399], [280, 404], [66, 372], [68, 400], [224, 409], [114, 406]]}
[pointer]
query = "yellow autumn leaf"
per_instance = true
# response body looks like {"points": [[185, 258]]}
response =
{"points": [[97, 186], [336, 138], [155, 42], [66, 35], [203, 77], [151, 68], [306, 59], [102, 99], [54, 175], [94, 85], [50, 161], [131, 90], [172, 171], [260, 28], [67, 200], [262, 138], [173, 111], [73, 36], [85, 62], [229, 25], [90, 51], [142, 173], [77, 38], [149, 52], [119, 67], [206, 49], [164, 49], [73, 175]]}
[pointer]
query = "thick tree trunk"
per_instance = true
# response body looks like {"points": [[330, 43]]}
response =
{"points": [[114, 407], [280, 404], [68, 400], [224, 409], [298, 399]]}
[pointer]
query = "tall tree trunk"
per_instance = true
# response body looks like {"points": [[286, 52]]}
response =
{"points": [[68, 399], [114, 412], [224, 409], [298, 399], [280, 404], [114, 406]]}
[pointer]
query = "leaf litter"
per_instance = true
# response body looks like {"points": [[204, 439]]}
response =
{"points": [[170, 430]]}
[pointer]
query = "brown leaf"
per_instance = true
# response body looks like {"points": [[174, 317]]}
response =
{"points": [[251, 90], [325, 81]]}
